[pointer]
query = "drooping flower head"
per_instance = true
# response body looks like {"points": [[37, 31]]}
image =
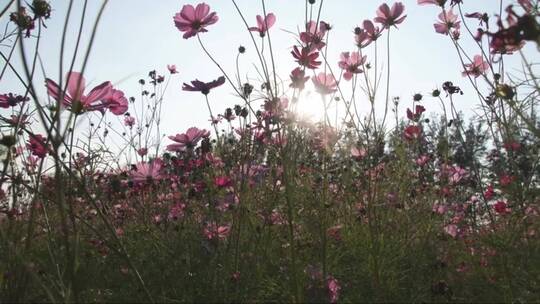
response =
{"points": [[187, 140], [390, 17], [193, 20], [263, 24], [203, 87], [75, 98]]}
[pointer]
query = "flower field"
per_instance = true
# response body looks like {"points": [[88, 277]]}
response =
{"points": [[432, 196]]}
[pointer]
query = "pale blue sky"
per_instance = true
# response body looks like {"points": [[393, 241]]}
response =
{"points": [[136, 36]]}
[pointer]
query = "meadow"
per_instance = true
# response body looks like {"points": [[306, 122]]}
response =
{"points": [[373, 201]]}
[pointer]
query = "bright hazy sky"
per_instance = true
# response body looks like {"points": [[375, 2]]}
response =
{"points": [[136, 36]]}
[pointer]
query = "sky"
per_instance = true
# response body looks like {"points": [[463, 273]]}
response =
{"points": [[136, 36]]}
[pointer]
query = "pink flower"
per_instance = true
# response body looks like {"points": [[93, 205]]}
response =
{"points": [[129, 121], [172, 68], [147, 171], [11, 100], [325, 83], [187, 140], [263, 25], [350, 63], [213, 231], [435, 2], [388, 17], [193, 20], [177, 211], [422, 160], [298, 78], [335, 232], [306, 57], [313, 37], [412, 132], [452, 230], [142, 152], [456, 174], [489, 193], [203, 87], [37, 144], [447, 21], [116, 102], [477, 67], [333, 289], [501, 207], [75, 99], [222, 181], [358, 154], [368, 34], [506, 180]]}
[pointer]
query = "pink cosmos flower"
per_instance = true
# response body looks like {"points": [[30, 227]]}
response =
{"points": [[412, 132], [351, 63], [388, 17], [11, 100], [435, 2], [222, 181], [213, 231], [75, 98], [365, 36], [358, 153], [452, 230], [177, 211], [501, 207], [116, 102], [306, 57], [129, 121], [333, 289], [263, 25], [313, 37], [193, 20], [147, 171], [37, 144], [422, 160], [325, 83], [172, 68], [298, 78], [142, 152], [187, 140], [203, 87], [477, 67], [447, 21], [456, 174]]}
